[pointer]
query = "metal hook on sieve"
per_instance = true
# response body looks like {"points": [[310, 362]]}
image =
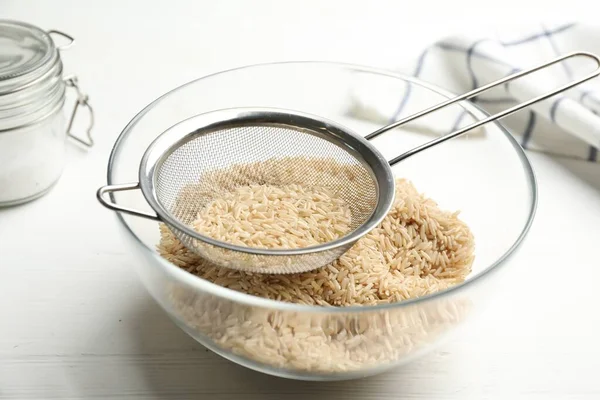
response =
{"points": [[491, 118]]}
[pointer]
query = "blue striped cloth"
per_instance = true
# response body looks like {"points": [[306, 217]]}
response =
{"points": [[565, 125]]}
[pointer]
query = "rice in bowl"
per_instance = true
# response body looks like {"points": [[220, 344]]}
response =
{"points": [[418, 249]]}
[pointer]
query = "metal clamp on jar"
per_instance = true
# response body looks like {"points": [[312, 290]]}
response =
{"points": [[33, 127]]}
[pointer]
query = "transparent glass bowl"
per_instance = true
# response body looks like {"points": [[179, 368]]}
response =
{"points": [[484, 173]]}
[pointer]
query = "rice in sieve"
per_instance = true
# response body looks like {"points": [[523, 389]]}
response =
{"points": [[182, 156]]}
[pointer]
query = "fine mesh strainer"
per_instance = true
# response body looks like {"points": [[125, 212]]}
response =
{"points": [[184, 167]]}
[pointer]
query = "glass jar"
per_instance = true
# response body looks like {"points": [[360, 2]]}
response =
{"points": [[33, 127]]}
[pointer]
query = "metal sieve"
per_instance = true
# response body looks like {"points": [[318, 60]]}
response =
{"points": [[183, 168]]}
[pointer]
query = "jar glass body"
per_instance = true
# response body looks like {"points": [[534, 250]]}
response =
{"points": [[33, 158]]}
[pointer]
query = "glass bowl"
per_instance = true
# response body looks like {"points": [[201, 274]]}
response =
{"points": [[484, 174]]}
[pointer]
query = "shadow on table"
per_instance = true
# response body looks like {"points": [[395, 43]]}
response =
{"points": [[178, 367], [586, 171]]}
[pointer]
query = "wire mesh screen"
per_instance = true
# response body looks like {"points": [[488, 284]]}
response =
{"points": [[220, 161]]}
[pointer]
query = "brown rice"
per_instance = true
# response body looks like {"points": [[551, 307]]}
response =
{"points": [[268, 216], [418, 249]]}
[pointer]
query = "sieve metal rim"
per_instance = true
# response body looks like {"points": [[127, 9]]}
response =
{"points": [[201, 124]]}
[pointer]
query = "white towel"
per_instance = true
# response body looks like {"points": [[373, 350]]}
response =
{"points": [[565, 125]]}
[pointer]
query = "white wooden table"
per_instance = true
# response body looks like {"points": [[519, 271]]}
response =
{"points": [[75, 322]]}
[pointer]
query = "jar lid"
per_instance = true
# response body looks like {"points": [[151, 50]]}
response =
{"points": [[31, 84], [26, 53]]}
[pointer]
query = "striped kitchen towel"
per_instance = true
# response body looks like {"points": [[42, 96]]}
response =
{"points": [[565, 125]]}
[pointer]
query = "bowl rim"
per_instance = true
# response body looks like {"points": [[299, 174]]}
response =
{"points": [[251, 300]]}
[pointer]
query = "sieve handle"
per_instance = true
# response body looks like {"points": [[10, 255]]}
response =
{"points": [[494, 117], [100, 194]]}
